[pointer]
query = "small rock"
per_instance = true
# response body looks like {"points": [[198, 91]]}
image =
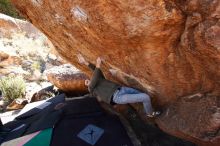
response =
{"points": [[68, 79], [17, 104]]}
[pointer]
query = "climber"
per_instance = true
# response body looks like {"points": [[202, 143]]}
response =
{"points": [[111, 92]]}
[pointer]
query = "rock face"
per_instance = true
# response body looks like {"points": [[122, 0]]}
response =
{"points": [[169, 48], [196, 114]]}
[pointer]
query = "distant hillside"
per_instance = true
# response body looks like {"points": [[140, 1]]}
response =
{"points": [[7, 8]]}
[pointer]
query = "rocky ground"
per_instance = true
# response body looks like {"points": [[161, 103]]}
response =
{"points": [[26, 52]]}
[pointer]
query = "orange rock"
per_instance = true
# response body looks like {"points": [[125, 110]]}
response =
{"points": [[17, 104], [11, 60], [197, 115], [68, 79], [168, 48], [3, 56]]}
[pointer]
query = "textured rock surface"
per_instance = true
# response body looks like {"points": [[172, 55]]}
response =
{"points": [[203, 119], [68, 79], [170, 48]]}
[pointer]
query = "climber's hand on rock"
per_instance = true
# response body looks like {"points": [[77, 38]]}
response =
{"points": [[98, 62], [82, 60]]}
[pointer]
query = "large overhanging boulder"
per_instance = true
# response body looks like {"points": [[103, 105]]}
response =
{"points": [[169, 48]]}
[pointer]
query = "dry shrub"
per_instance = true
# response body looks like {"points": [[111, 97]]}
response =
{"points": [[12, 87]]}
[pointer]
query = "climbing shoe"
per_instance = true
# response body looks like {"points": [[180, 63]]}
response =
{"points": [[154, 114]]}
